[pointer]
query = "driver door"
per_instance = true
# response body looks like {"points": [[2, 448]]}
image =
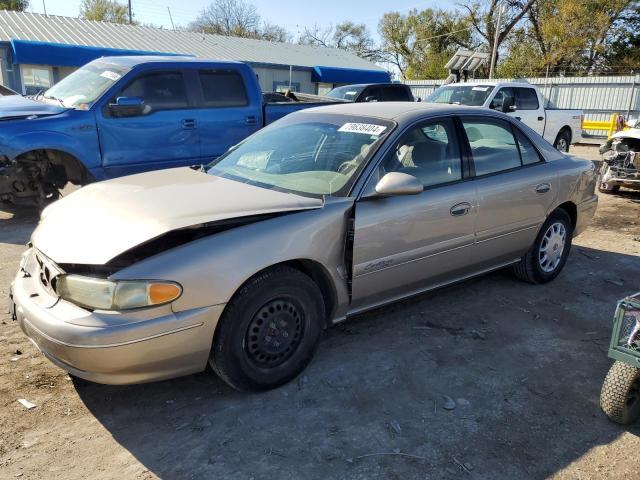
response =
{"points": [[164, 135], [404, 244]]}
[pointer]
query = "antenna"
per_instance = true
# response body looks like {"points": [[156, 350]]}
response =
{"points": [[464, 63]]}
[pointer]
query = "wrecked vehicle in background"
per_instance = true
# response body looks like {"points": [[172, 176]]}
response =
{"points": [[117, 116], [326, 213], [621, 161]]}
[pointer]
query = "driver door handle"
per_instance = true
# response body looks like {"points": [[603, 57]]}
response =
{"points": [[543, 188], [460, 209]]}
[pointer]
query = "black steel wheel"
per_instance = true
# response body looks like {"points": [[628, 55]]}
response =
{"points": [[269, 330]]}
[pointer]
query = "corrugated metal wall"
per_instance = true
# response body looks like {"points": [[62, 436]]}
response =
{"points": [[598, 97]]}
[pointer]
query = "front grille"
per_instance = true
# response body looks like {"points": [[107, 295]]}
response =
{"points": [[47, 272]]}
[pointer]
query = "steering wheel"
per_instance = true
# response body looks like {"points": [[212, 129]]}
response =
{"points": [[348, 165]]}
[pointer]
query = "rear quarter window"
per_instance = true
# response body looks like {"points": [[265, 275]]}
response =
{"points": [[223, 88]]}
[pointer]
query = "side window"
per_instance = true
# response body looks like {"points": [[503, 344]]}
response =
{"points": [[430, 152], [372, 92], [223, 88], [160, 90], [501, 95], [526, 99], [527, 151], [493, 146]]}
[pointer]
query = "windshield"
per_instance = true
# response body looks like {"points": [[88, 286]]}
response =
{"points": [[348, 93], [84, 86], [472, 95], [320, 155]]}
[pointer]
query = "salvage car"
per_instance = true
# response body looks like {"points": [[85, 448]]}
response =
{"points": [[621, 161], [326, 213], [560, 126], [117, 116]]}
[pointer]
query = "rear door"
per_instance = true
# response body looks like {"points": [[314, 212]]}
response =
{"points": [[528, 108], [515, 189], [164, 135], [225, 115], [404, 244]]}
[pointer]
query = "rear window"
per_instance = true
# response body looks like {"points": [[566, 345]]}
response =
{"points": [[222, 88], [395, 94]]}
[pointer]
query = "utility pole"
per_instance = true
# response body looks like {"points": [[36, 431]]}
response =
{"points": [[130, 14], [171, 18], [495, 42], [44, 5]]}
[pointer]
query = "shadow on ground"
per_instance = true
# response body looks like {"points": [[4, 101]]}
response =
{"points": [[524, 363], [17, 224]]}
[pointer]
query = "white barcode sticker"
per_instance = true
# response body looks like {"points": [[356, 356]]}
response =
{"points": [[113, 76], [365, 128], [480, 89]]}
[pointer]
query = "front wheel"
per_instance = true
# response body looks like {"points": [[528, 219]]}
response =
{"points": [[548, 254], [620, 395], [269, 330]]}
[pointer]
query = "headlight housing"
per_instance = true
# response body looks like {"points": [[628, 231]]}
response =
{"points": [[101, 294]]}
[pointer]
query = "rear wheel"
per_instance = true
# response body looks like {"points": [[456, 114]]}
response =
{"points": [[548, 254], [563, 140], [269, 331], [620, 395]]}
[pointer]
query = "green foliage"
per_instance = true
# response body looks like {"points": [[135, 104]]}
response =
{"points": [[17, 5], [420, 42], [104, 11]]}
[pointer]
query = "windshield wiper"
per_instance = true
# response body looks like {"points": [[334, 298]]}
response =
{"points": [[50, 97]]}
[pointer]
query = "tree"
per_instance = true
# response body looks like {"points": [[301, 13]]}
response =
{"points": [[104, 11], [347, 35], [17, 5], [237, 18], [574, 37], [420, 42], [483, 16]]}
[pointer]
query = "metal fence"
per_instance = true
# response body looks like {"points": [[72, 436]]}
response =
{"points": [[598, 97]]}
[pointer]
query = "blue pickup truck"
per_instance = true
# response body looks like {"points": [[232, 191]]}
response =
{"points": [[121, 115]]}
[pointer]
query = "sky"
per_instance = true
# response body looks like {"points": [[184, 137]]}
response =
{"points": [[290, 15]]}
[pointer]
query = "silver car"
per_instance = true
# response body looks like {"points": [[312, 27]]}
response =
{"points": [[328, 212]]}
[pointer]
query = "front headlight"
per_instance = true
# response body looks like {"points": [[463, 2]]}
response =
{"points": [[100, 294]]}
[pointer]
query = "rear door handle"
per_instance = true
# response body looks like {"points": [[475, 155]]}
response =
{"points": [[460, 209], [189, 123], [543, 188], [251, 120]]}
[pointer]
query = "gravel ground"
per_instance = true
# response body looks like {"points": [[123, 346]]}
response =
{"points": [[523, 366]]}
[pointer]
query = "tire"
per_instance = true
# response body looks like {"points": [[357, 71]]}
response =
{"points": [[269, 330], [620, 395], [533, 267], [563, 141]]}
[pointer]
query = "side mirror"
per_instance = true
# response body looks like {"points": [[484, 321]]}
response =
{"points": [[127, 107], [371, 98], [398, 183], [508, 105]]}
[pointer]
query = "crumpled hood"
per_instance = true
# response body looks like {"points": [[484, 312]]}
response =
{"points": [[98, 222], [17, 106]]}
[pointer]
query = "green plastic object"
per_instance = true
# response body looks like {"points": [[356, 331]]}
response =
{"points": [[625, 338]]}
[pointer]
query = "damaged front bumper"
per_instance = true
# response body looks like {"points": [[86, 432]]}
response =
{"points": [[110, 347]]}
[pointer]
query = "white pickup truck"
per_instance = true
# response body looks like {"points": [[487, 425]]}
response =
{"points": [[560, 127]]}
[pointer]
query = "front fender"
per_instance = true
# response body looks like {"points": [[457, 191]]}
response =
{"points": [[212, 269], [81, 146]]}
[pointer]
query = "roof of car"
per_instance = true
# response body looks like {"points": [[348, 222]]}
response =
{"points": [[491, 83], [398, 111]]}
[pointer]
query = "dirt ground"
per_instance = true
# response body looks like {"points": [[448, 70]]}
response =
{"points": [[523, 365]]}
